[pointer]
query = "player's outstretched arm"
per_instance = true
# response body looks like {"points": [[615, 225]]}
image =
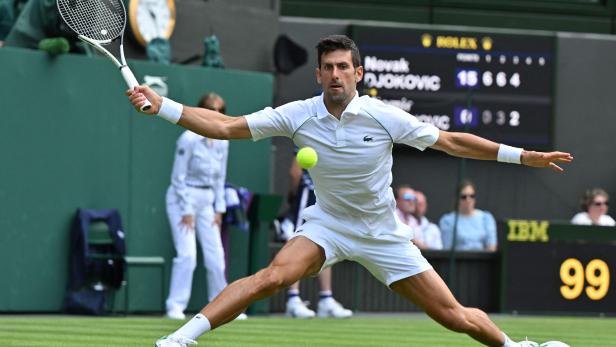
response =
{"points": [[199, 120], [471, 146]]}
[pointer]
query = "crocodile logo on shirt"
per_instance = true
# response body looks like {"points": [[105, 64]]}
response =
{"points": [[368, 138]]}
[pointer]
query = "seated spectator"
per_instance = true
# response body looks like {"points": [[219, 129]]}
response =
{"points": [[6, 19], [405, 205], [476, 229], [594, 204], [427, 234], [9, 10], [38, 26]]}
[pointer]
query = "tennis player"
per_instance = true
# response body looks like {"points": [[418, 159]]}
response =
{"points": [[354, 217]]}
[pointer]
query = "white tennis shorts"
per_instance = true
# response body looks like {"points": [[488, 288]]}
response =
{"points": [[387, 260]]}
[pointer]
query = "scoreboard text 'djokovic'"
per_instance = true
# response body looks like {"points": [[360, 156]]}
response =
{"points": [[494, 85]]}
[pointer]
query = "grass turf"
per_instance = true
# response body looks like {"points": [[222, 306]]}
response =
{"points": [[368, 331]]}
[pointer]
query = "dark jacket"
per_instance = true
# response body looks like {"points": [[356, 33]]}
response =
{"points": [[82, 265]]}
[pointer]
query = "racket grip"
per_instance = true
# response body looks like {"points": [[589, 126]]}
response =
{"points": [[131, 81]]}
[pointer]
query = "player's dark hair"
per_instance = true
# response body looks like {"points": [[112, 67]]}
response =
{"points": [[590, 195], [207, 101], [335, 42]]}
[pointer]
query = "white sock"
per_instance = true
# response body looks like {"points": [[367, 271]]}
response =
{"points": [[324, 294], [508, 342], [195, 327]]}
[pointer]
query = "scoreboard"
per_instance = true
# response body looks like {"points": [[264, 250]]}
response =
{"points": [[495, 85], [549, 267]]}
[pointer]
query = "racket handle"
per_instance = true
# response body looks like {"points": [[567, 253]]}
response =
{"points": [[131, 81]]}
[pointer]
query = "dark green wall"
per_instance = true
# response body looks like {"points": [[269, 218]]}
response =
{"points": [[69, 139], [596, 16]]}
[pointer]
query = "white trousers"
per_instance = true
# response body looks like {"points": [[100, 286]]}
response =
{"points": [[185, 262]]}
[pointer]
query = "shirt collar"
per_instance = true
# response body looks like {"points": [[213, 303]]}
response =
{"points": [[353, 107]]}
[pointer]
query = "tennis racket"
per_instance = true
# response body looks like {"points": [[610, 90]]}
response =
{"points": [[99, 23]]}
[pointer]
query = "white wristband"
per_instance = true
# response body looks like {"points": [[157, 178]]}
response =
{"points": [[508, 154], [170, 110]]}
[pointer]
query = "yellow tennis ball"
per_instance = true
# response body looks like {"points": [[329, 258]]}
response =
{"points": [[307, 157]]}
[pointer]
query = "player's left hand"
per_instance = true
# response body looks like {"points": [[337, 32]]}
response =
{"points": [[546, 159]]}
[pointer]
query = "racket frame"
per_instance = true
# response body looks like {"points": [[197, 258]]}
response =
{"points": [[126, 72]]}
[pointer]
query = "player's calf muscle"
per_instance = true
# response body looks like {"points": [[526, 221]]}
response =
{"points": [[457, 319], [269, 281]]}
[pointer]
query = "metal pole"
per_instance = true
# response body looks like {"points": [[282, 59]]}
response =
{"points": [[451, 275]]}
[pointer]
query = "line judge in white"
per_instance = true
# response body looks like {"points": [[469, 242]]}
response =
{"points": [[195, 203], [354, 217]]}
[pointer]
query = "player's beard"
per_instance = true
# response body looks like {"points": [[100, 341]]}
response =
{"points": [[339, 98]]}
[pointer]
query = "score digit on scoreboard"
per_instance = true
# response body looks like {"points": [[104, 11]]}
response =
{"points": [[496, 85]]}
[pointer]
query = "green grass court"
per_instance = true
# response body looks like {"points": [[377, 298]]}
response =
{"points": [[363, 330]]}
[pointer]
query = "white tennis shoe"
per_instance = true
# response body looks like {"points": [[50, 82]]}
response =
{"points": [[175, 314], [330, 308], [296, 308], [174, 341], [545, 344]]}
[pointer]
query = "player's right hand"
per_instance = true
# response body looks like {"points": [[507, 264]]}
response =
{"points": [[138, 95]]}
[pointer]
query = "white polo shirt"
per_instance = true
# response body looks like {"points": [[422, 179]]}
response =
{"points": [[353, 173]]}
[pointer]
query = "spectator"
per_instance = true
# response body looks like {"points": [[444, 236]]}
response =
{"points": [[594, 204], [195, 204], [7, 18], [427, 234], [405, 205], [9, 11], [476, 229], [37, 25]]}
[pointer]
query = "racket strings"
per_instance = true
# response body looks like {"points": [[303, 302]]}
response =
{"points": [[96, 19]]}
